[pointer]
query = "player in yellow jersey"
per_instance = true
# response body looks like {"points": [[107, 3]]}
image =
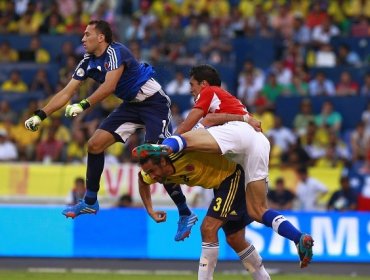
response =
{"points": [[227, 210]]}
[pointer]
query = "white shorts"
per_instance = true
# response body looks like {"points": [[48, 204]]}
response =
{"points": [[240, 143]]}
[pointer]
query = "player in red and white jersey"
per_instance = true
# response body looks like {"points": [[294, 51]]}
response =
{"points": [[231, 132]]}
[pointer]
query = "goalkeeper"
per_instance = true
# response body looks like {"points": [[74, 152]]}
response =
{"points": [[145, 105]]}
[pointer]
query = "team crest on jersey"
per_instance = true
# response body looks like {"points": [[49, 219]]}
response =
{"points": [[106, 65], [189, 167]]}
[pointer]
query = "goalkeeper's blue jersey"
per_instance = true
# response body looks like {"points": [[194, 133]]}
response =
{"points": [[135, 74]]}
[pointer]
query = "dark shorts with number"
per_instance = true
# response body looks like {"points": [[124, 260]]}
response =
{"points": [[153, 114], [229, 203]]}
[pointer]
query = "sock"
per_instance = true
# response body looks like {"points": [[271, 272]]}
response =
{"points": [[281, 225], [208, 260], [176, 142], [95, 166], [178, 198], [252, 262]]}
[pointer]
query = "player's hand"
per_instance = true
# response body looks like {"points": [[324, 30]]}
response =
{"points": [[77, 108], [33, 123], [73, 110], [158, 216], [256, 124]]}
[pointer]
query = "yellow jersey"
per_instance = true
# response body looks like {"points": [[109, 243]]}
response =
{"points": [[197, 169]]}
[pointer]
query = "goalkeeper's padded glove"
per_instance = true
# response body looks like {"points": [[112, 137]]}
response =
{"points": [[34, 122], [77, 108]]}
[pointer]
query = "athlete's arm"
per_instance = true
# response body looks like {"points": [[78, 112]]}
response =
{"points": [[191, 120], [221, 118], [146, 197], [106, 88], [62, 97]]}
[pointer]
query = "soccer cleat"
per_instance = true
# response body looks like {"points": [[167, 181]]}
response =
{"points": [[304, 248], [81, 208], [147, 150], [184, 226]]}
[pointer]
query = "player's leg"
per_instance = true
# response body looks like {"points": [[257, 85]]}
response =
{"points": [[234, 229], [257, 209], [156, 115], [194, 140], [210, 247], [118, 126], [248, 255]]}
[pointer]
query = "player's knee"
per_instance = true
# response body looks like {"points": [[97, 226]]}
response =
{"points": [[232, 240], [94, 146], [208, 230], [255, 211]]}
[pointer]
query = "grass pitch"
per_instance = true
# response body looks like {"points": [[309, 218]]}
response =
{"points": [[17, 275]]}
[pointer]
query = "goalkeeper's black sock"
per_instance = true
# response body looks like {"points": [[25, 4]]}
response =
{"points": [[95, 167], [179, 198]]}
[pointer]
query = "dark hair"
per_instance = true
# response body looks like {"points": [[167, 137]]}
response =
{"points": [[80, 180], [104, 28], [207, 73], [155, 159]]}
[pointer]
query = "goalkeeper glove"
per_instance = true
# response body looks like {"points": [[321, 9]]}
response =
{"points": [[77, 108], [34, 122]]}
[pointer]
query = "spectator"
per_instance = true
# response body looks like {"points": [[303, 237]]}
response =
{"points": [[179, 85], [280, 198], [365, 89], [7, 53], [324, 32], [8, 151], [282, 21], [41, 83], [25, 140], [309, 191], [50, 149], [78, 191], [248, 89], [196, 28], [303, 118], [365, 117], [347, 57], [272, 89], [295, 156], [6, 113], [263, 114], [283, 73], [301, 33], [250, 68], [15, 83], [316, 16], [359, 142], [283, 136], [124, 201], [360, 27], [135, 30], [325, 56], [77, 147], [320, 85], [41, 54], [346, 86], [217, 49], [344, 199], [328, 117], [297, 87]]}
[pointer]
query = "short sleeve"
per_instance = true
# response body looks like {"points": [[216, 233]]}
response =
{"points": [[204, 101], [115, 58], [80, 72], [146, 178]]}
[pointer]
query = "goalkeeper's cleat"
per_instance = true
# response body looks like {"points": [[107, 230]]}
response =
{"points": [[304, 248], [147, 150], [80, 208], [184, 226]]}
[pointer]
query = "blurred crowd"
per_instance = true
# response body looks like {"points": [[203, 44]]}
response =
{"points": [[189, 32]]}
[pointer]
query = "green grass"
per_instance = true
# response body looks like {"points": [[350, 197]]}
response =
{"points": [[15, 275]]}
